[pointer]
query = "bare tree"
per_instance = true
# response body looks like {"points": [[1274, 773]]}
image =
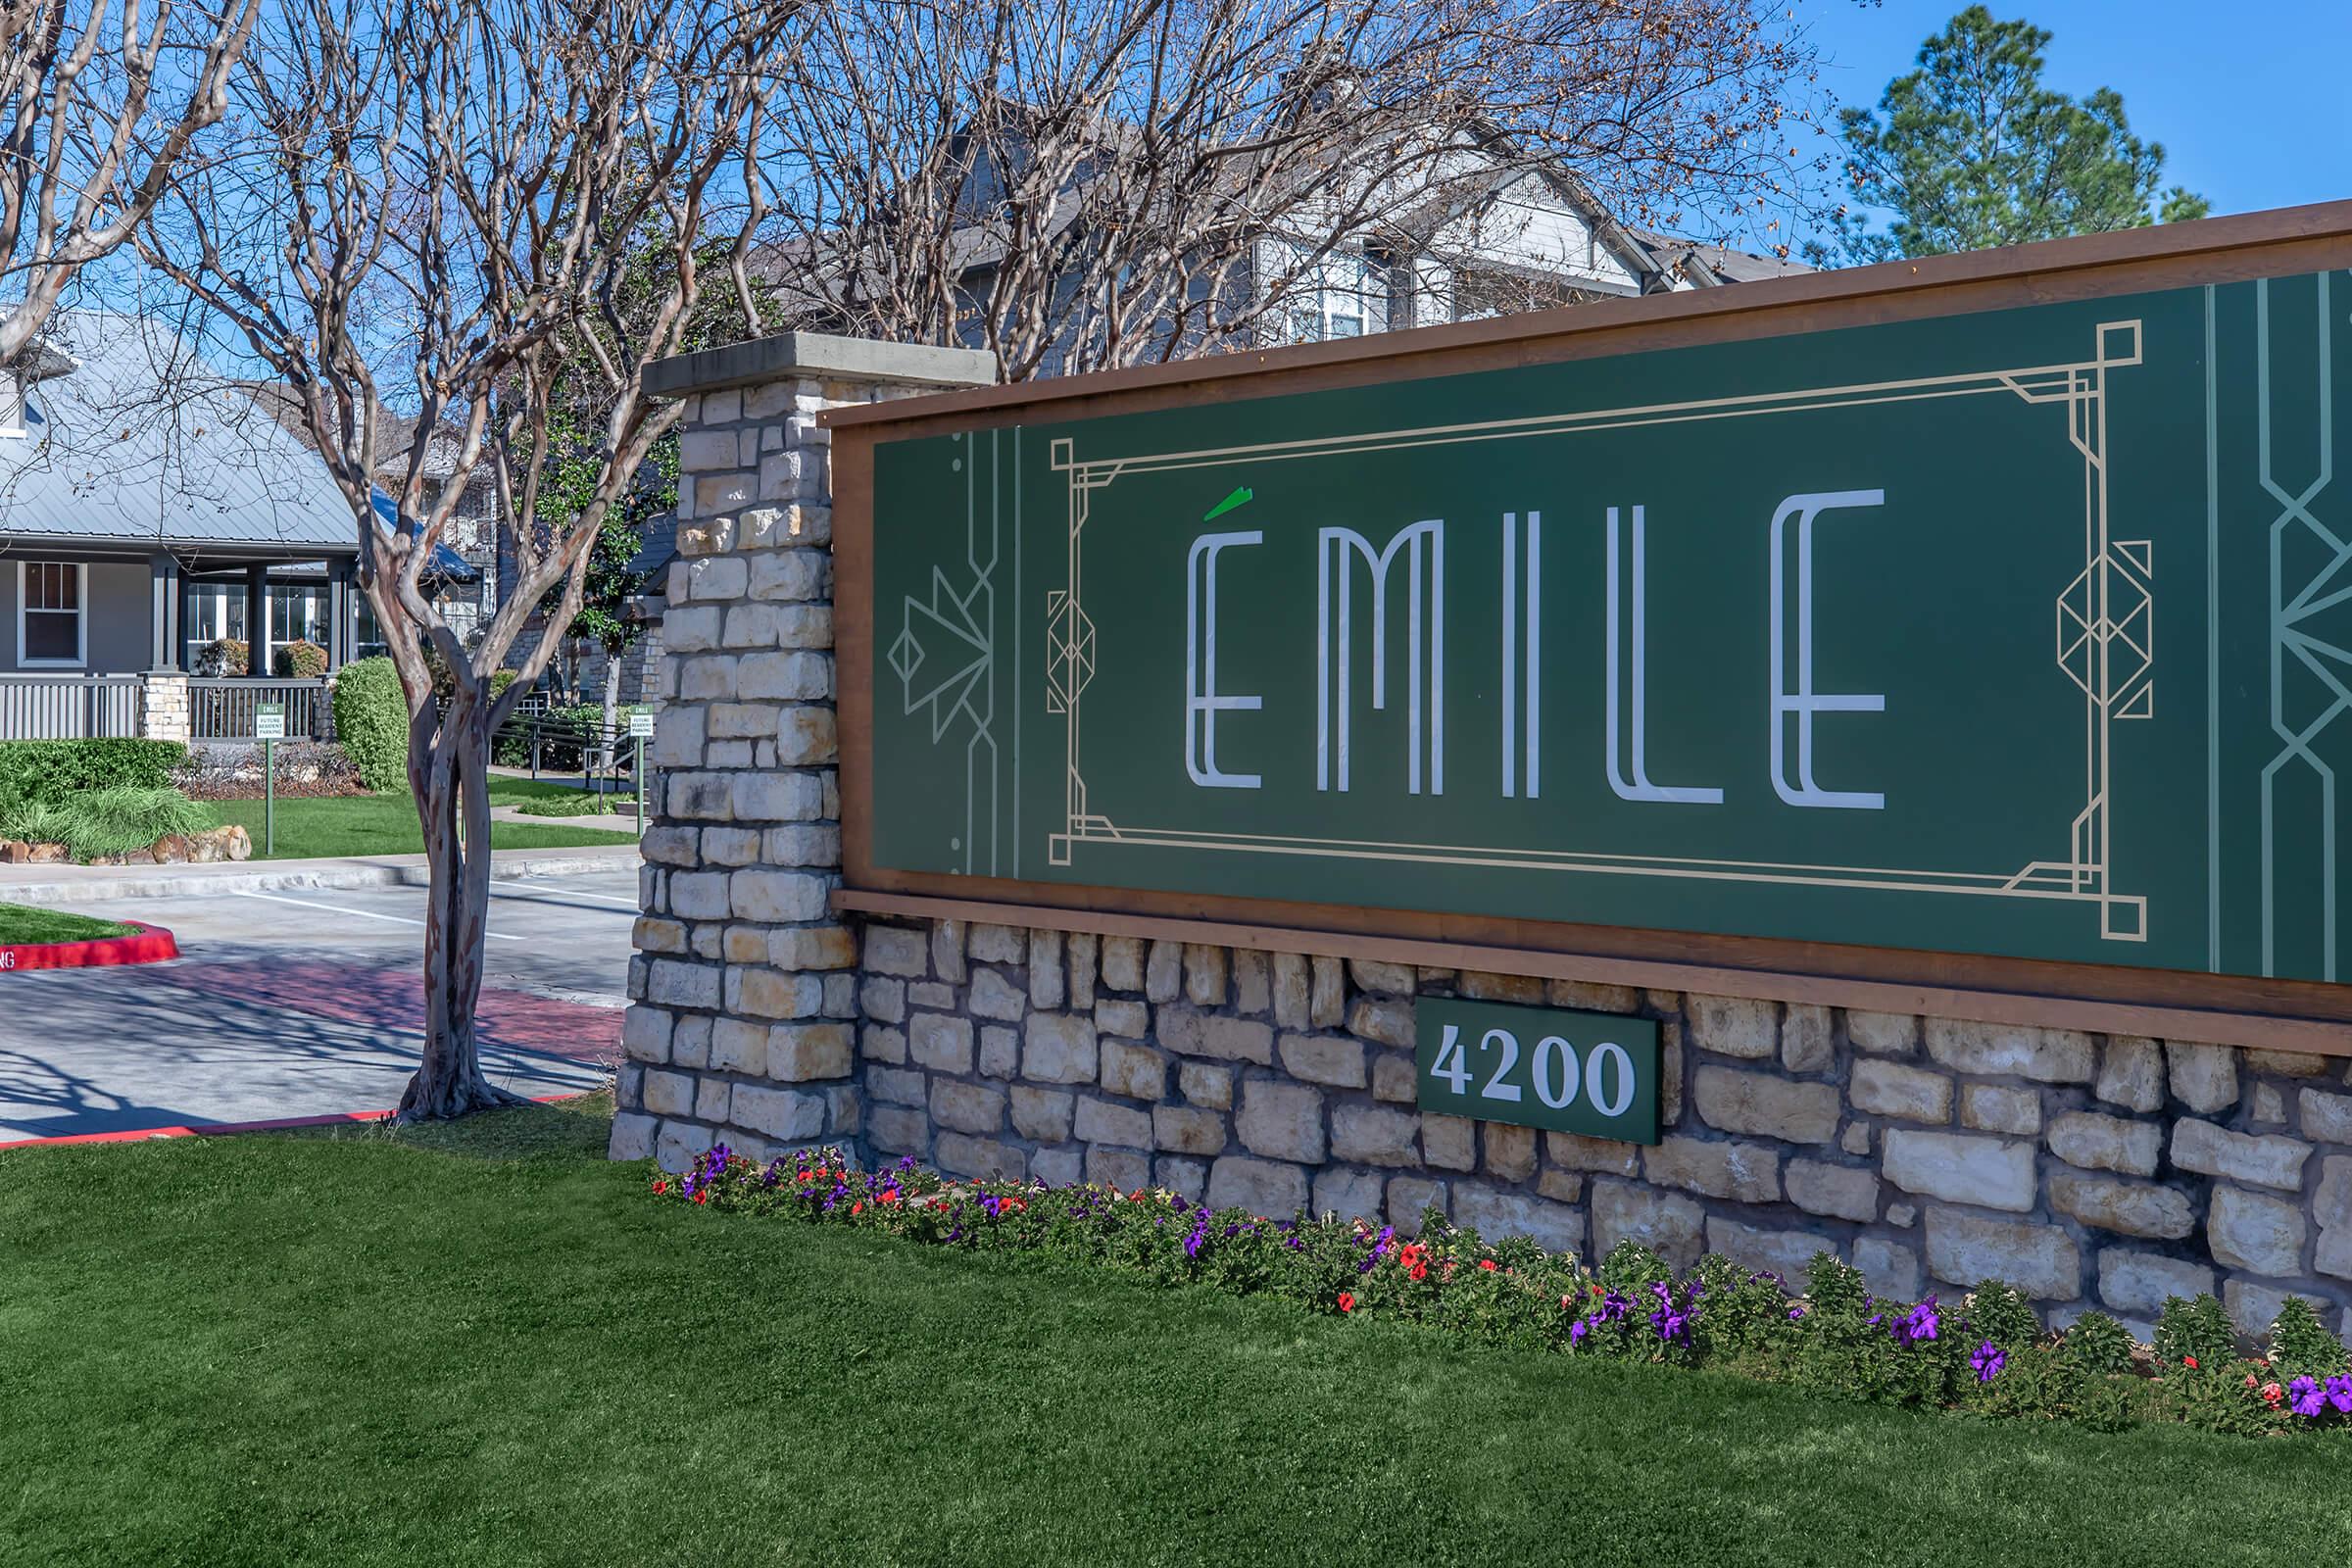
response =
{"points": [[477, 212], [98, 111], [1081, 186]]}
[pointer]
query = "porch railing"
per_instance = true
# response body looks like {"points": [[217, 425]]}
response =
{"points": [[223, 710], [67, 707]]}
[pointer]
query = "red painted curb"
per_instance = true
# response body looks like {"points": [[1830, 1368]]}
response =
{"points": [[152, 945], [215, 1129]]}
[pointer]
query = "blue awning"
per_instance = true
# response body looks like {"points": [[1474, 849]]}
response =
{"points": [[447, 568]]}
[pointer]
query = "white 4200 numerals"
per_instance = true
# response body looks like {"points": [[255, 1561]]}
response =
{"points": [[1604, 1075]]}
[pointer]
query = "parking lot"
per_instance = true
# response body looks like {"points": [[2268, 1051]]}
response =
{"points": [[307, 1003]]}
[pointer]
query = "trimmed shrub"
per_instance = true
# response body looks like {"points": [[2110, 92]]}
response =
{"points": [[119, 820], [44, 773], [224, 656], [306, 769], [304, 661], [371, 723]]}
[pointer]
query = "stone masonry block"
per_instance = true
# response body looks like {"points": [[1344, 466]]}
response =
{"points": [[1989, 1172], [1334, 1059], [1766, 1105], [1262, 1186], [2048, 1055], [1059, 1048], [1281, 1121], [1198, 1034]]}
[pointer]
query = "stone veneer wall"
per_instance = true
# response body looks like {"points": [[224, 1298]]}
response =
{"points": [[2089, 1170]]}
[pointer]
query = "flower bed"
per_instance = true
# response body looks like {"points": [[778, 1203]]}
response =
{"points": [[1986, 1354]]}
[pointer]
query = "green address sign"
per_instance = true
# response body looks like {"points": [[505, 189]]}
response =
{"points": [[1593, 1073], [2023, 633]]}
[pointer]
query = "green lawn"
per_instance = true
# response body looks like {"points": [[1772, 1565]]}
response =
{"points": [[548, 796], [488, 1346], [382, 824], [20, 925]]}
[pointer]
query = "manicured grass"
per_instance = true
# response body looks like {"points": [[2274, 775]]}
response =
{"points": [[541, 796], [483, 1344], [20, 925], [381, 825]]}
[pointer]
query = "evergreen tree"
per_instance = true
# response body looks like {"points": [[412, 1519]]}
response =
{"points": [[1971, 151]]}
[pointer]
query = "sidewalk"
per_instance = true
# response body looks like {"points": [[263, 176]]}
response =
{"points": [[85, 884]]}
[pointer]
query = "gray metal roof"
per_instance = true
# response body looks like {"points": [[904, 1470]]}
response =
{"points": [[143, 442]]}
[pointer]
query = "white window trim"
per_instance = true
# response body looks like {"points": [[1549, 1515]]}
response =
{"points": [[81, 618]]}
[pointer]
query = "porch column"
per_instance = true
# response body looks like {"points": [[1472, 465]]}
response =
{"points": [[257, 620], [341, 578], [166, 596]]}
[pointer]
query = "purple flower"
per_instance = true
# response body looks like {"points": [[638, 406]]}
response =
{"points": [[1797, 1314], [2305, 1398], [1577, 1330], [1987, 1361], [1921, 1323], [2339, 1394]]}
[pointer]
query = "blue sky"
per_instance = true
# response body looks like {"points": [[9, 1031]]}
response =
{"points": [[2252, 100]]}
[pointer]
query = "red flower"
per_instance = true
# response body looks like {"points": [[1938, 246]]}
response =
{"points": [[1347, 1301], [2189, 1361], [701, 1198], [1487, 1263], [1419, 1271], [2249, 1379], [2272, 1394], [808, 1176], [856, 1209], [660, 1188]]}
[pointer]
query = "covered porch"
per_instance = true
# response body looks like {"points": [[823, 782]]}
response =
{"points": [[111, 643]]}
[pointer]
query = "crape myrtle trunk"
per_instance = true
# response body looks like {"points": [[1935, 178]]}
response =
{"points": [[449, 757]]}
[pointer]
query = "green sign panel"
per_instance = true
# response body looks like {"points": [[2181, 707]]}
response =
{"points": [[2023, 633], [269, 721], [1594, 1073]]}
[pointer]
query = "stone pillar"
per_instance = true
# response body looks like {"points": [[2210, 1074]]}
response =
{"points": [[743, 989], [163, 706]]}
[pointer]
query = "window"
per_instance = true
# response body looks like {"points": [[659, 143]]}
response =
{"points": [[297, 615], [215, 611], [368, 639], [1345, 295], [49, 623]]}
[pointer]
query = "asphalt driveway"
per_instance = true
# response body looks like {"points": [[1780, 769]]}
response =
{"points": [[306, 1004]]}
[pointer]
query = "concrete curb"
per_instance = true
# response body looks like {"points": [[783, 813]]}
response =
{"points": [[147, 944], [92, 884]]}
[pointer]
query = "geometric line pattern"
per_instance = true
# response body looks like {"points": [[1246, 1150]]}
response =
{"points": [[2106, 643], [945, 657], [2308, 663]]}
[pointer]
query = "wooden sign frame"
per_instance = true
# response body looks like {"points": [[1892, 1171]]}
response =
{"points": [[2264, 1013]]}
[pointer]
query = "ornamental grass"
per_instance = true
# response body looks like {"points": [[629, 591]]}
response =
{"points": [[1986, 1353]]}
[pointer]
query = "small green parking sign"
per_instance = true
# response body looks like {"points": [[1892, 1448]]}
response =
{"points": [[269, 721]]}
